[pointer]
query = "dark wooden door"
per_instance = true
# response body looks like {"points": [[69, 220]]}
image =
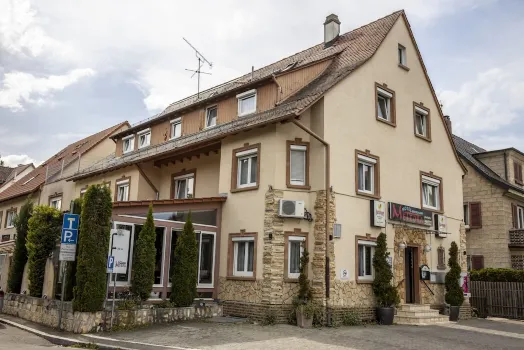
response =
{"points": [[410, 276]]}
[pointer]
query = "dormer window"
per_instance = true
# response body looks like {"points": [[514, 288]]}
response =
{"points": [[176, 128], [144, 138], [128, 144], [211, 116], [247, 102]]}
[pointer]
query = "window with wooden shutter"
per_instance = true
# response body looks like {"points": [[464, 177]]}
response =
{"points": [[477, 262], [514, 215], [517, 169], [475, 215]]}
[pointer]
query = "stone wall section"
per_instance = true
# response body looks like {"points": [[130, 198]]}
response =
{"points": [[350, 294], [490, 241]]}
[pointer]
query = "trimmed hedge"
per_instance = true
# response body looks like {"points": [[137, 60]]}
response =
{"points": [[71, 266], [497, 275], [16, 270], [454, 293], [42, 237], [386, 295], [185, 270], [143, 276], [95, 225]]}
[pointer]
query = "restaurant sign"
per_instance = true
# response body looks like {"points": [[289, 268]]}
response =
{"points": [[405, 213]]}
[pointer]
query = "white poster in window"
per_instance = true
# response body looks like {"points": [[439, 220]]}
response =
{"points": [[119, 249], [378, 213], [442, 223], [344, 274]]}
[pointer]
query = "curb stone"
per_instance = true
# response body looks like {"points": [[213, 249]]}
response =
{"points": [[57, 340]]}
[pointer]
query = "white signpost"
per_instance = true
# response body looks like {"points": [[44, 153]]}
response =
{"points": [[117, 259]]}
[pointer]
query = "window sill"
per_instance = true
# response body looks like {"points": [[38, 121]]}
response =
{"points": [[369, 195], [403, 67], [9, 227], [426, 138], [242, 189], [246, 114], [290, 280], [299, 187], [241, 278], [390, 123], [433, 210], [363, 281]]}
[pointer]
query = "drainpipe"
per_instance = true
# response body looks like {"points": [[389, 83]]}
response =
{"points": [[327, 186]]}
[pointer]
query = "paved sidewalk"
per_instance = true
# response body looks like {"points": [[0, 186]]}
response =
{"points": [[14, 338]]}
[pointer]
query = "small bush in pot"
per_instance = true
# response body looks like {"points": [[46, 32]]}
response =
{"points": [[454, 293], [386, 294], [303, 303]]}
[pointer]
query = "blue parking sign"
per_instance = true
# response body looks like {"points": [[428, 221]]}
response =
{"points": [[110, 263], [69, 237]]}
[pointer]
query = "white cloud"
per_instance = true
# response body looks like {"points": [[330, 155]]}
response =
{"points": [[19, 88], [13, 160], [489, 102]]}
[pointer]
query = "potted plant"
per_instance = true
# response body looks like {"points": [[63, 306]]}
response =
{"points": [[386, 294], [454, 293], [304, 307]]}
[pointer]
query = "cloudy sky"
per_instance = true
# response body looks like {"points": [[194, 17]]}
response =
{"points": [[71, 68]]}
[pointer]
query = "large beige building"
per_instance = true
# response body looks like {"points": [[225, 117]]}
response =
{"points": [[493, 206], [355, 115], [46, 185]]}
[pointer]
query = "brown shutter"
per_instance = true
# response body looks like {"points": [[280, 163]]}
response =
{"points": [[515, 170], [520, 173], [477, 262], [514, 215], [475, 215]]}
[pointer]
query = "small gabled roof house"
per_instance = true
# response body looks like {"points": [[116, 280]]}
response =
{"points": [[345, 129], [15, 174], [493, 206]]}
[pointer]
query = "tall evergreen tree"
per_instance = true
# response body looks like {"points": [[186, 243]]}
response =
{"points": [[16, 270], [454, 293], [144, 258], [42, 237], [386, 294], [95, 225], [185, 271]]}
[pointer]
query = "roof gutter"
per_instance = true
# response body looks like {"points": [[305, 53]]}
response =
{"points": [[327, 189]]}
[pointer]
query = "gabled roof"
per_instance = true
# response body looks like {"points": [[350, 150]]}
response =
{"points": [[469, 152], [5, 171], [350, 50], [19, 169], [33, 180]]}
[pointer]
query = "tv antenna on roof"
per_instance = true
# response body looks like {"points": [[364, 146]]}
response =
{"points": [[201, 61]]}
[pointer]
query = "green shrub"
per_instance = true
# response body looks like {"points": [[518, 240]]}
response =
{"points": [[71, 266], [270, 318], [305, 294], [16, 270], [350, 318], [386, 294], [143, 276], [164, 304], [185, 270], [42, 237], [497, 275], [454, 292], [95, 225]]}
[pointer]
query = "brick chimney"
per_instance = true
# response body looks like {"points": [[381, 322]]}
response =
{"points": [[331, 29], [447, 119]]}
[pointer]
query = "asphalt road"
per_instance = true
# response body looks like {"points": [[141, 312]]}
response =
{"points": [[12, 338]]}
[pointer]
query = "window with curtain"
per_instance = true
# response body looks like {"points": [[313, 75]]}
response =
{"points": [[122, 191], [366, 251], [128, 144], [297, 165], [295, 251], [184, 186], [56, 203], [420, 124], [247, 102], [176, 128], [384, 104], [243, 256], [211, 117], [247, 170], [144, 138], [430, 193], [366, 174]]}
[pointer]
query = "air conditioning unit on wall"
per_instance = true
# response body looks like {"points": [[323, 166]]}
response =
{"points": [[291, 209]]}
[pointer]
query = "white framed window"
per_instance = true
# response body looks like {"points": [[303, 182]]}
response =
{"points": [[366, 251], [247, 102], [184, 186], [144, 138], [211, 116], [366, 174], [243, 256], [10, 219], [128, 144], [297, 165], [122, 191], [384, 104], [402, 59], [56, 203], [176, 128], [430, 193], [421, 122], [520, 217], [295, 250], [247, 168]]}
